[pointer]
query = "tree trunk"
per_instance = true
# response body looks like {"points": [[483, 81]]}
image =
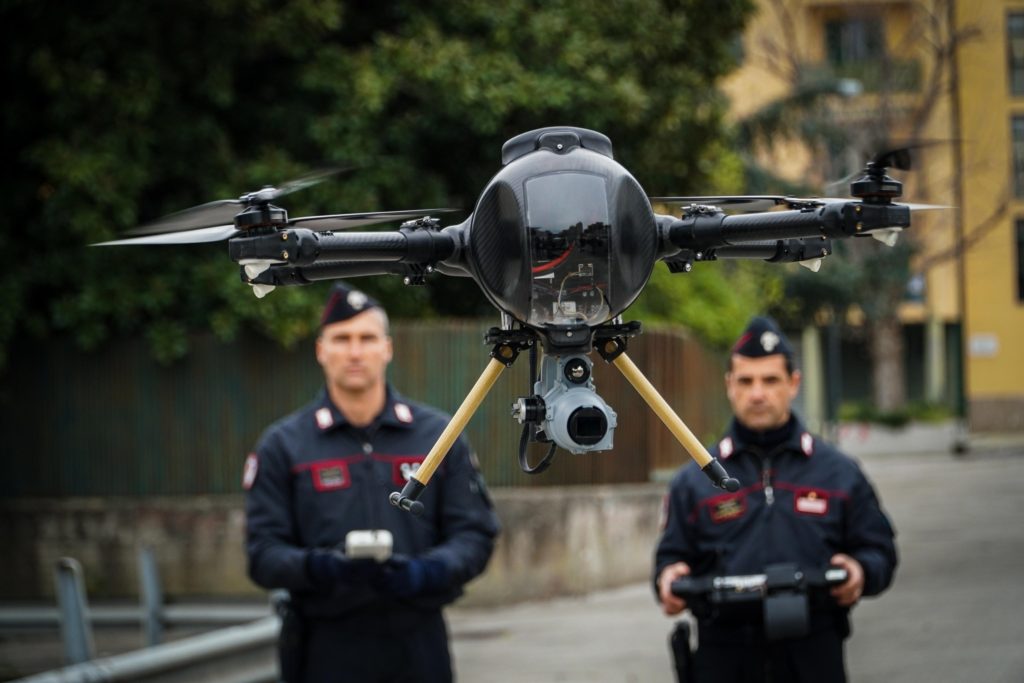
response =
{"points": [[888, 373]]}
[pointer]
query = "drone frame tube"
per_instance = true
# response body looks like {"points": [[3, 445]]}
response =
{"points": [[837, 220], [709, 465]]}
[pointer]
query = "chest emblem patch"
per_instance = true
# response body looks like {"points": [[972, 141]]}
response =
{"points": [[811, 502], [724, 509], [330, 476], [402, 468]]}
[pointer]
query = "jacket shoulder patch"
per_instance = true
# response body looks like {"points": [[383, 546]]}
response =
{"points": [[324, 419], [807, 444], [250, 470], [403, 413]]}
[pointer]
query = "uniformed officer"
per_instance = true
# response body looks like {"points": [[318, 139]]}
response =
{"points": [[328, 469], [800, 501]]}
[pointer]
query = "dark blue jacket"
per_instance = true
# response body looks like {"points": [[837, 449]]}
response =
{"points": [[314, 477], [801, 503]]}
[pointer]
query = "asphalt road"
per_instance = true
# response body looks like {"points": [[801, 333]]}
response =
{"points": [[954, 612]]}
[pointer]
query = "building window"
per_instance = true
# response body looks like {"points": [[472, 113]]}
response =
{"points": [[1020, 260], [1015, 51], [1018, 156], [855, 41], [855, 48]]}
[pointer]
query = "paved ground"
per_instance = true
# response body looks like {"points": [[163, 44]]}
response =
{"points": [[953, 614]]}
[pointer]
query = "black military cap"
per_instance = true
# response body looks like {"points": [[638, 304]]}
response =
{"points": [[762, 338], [344, 303]]}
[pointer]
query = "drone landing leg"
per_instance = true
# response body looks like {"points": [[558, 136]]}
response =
{"points": [[711, 467], [406, 500]]}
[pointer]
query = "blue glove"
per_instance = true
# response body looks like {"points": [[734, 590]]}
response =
{"points": [[328, 568], [407, 577]]}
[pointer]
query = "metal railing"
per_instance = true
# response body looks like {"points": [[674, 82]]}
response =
{"points": [[237, 654]]}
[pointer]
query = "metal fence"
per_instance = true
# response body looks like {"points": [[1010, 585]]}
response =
{"points": [[114, 422]]}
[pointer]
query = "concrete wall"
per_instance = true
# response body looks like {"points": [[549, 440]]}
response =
{"points": [[556, 541]]}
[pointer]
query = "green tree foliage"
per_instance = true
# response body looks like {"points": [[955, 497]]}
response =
{"points": [[120, 112], [714, 300]]}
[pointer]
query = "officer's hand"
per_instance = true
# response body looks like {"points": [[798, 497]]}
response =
{"points": [[671, 604], [328, 567], [848, 593], [407, 577]]}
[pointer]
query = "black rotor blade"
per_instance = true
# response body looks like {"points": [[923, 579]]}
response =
{"points": [[894, 158], [211, 234], [900, 155], [760, 203], [223, 211], [914, 206], [308, 180], [342, 221], [740, 203], [207, 215], [217, 233]]}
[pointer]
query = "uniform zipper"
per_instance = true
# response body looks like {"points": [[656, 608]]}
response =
{"points": [[371, 509], [766, 481]]}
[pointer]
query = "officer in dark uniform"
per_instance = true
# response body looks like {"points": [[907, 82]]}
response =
{"points": [[800, 501], [327, 470]]}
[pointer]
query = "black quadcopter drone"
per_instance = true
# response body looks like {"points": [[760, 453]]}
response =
{"points": [[562, 240]]}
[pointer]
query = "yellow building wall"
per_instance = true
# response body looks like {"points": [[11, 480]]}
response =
{"points": [[995, 315], [993, 311]]}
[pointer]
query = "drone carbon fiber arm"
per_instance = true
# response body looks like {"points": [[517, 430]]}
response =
{"points": [[703, 230], [302, 247]]}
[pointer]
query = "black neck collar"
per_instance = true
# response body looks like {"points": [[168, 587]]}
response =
{"points": [[765, 440]]}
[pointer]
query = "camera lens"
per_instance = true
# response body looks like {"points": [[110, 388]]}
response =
{"points": [[576, 371], [587, 425]]}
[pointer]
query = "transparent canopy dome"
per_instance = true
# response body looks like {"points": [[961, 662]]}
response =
{"points": [[563, 236], [569, 230]]}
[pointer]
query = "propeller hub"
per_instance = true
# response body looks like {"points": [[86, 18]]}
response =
{"points": [[263, 215], [875, 187]]}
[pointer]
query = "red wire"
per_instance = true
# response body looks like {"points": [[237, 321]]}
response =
{"points": [[551, 264]]}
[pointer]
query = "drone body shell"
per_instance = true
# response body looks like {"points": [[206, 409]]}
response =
{"points": [[562, 220]]}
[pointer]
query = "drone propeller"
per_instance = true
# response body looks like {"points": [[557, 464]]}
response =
{"points": [[216, 233], [867, 180], [741, 203], [758, 203], [223, 211]]}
